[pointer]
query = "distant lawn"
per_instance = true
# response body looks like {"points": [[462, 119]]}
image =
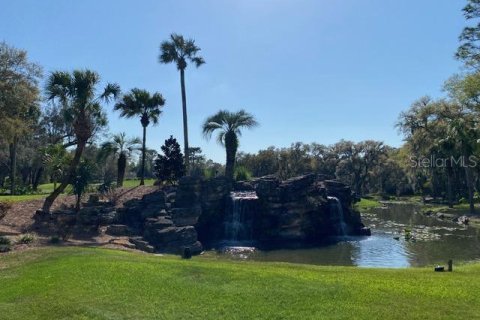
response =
{"points": [[367, 204], [43, 191], [23, 197], [136, 182], [47, 188], [80, 283]]}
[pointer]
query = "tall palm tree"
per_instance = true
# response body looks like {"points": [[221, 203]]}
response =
{"points": [[77, 94], [181, 51], [140, 103], [228, 125], [122, 148]]}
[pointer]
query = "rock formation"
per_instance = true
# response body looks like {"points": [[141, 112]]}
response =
{"points": [[304, 210]]}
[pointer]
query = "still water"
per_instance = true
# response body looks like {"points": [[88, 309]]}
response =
{"points": [[401, 237]]}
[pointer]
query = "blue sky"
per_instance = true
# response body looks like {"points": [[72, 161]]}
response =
{"points": [[309, 70]]}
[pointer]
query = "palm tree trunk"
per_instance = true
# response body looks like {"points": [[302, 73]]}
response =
{"points": [[142, 172], [468, 176], [36, 178], [121, 165], [231, 150], [13, 164], [71, 172], [450, 184], [77, 203], [185, 122]]}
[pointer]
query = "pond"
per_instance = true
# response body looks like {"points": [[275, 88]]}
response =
{"points": [[401, 237]]}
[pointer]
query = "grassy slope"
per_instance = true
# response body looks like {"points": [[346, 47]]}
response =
{"points": [[76, 283]]}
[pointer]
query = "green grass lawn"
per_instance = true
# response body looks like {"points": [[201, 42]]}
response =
{"points": [[82, 283]]}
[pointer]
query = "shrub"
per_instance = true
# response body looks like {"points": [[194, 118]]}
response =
{"points": [[27, 238], [242, 174], [5, 244], [5, 241], [54, 239], [106, 187], [81, 181]]}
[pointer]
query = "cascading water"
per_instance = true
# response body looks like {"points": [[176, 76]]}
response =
{"points": [[336, 207], [240, 218]]}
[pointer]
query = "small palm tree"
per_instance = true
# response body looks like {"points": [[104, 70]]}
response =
{"points": [[77, 94], [140, 103], [122, 148], [179, 50], [228, 125]]}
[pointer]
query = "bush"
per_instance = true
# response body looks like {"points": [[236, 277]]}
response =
{"points": [[476, 197], [27, 238], [54, 239], [5, 241], [5, 244], [242, 174], [106, 187]]}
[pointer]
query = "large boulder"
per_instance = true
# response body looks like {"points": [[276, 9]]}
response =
{"points": [[174, 239], [118, 230], [186, 216]]}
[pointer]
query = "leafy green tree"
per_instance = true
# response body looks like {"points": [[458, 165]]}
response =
{"points": [[170, 166], [263, 163], [197, 161], [140, 103], [228, 126], [181, 51], [443, 129], [19, 97], [121, 148], [77, 94]]}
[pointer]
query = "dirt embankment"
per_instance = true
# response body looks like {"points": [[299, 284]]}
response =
{"points": [[19, 218]]}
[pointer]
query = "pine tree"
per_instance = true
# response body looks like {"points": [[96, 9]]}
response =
{"points": [[169, 166]]}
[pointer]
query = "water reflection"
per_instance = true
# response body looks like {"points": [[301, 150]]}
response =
{"points": [[430, 241]]}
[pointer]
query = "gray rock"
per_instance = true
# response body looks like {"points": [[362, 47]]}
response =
{"points": [[186, 216], [141, 244], [118, 230]]}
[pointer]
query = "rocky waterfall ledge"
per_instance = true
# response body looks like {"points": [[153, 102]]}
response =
{"points": [[302, 211]]}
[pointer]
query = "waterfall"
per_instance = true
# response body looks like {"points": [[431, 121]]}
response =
{"points": [[240, 217], [337, 209]]}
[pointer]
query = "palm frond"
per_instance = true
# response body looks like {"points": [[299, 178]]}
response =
{"points": [[139, 103], [112, 90], [198, 61], [179, 50], [59, 85], [225, 121]]}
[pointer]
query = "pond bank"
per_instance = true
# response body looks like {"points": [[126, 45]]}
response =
{"points": [[433, 210]]}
